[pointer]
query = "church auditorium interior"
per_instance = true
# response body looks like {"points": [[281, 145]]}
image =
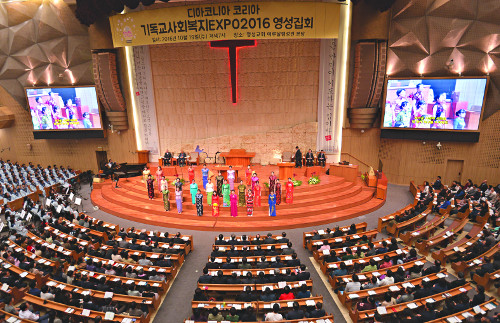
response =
{"points": [[249, 161]]}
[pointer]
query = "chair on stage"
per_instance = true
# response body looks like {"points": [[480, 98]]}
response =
{"points": [[193, 158], [286, 157]]}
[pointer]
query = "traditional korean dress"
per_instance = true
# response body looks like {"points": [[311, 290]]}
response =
{"points": [[199, 204], [225, 194], [215, 205], [234, 204], [249, 203], [289, 192], [272, 204], [278, 193], [241, 194], [256, 195], [193, 189], [151, 188]]}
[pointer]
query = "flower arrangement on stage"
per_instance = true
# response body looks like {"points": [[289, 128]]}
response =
{"points": [[296, 182], [266, 184], [313, 180]]}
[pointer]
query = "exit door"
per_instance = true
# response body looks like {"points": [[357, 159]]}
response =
{"points": [[454, 169]]}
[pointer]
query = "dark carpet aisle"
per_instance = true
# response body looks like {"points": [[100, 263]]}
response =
{"points": [[177, 304]]}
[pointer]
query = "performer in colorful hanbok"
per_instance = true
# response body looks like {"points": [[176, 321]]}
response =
{"points": [[272, 204], [289, 191], [256, 193], [248, 175], [225, 193], [159, 176], [231, 177], [254, 180], [272, 182], [204, 174], [178, 199], [151, 187], [278, 192], [215, 204], [145, 174], [210, 191], [233, 198], [193, 189], [220, 181], [249, 202], [191, 173], [199, 203], [241, 194], [166, 196]]}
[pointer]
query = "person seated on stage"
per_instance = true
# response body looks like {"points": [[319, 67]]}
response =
{"points": [[167, 157], [309, 158], [108, 169], [182, 158], [321, 158]]}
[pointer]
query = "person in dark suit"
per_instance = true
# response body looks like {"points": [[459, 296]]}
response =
{"points": [[283, 238], [318, 311], [309, 158], [479, 298], [166, 158], [248, 315], [460, 281], [321, 158], [229, 264], [433, 269], [269, 239], [437, 184], [298, 157], [246, 296], [296, 313], [205, 278]]}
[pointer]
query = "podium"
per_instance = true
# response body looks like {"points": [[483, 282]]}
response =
{"points": [[238, 157], [285, 170], [143, 156], [348, 172]]}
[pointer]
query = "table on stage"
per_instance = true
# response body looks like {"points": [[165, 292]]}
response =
{"points": [[348, 172], [239, 170], [285, 170], [238, 157]]}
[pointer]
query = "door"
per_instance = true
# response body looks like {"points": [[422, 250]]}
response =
{"points": [[454, 170], [102, 158]]}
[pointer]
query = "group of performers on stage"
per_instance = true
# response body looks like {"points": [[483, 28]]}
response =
{"points": [[222, 192], [309, 158]]}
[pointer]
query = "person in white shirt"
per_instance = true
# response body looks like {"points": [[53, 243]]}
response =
{"points": [[26, 313], [388, 279], [274, 315], [353, 286]]}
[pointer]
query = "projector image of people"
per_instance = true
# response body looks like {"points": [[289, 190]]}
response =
{"points": [[447, 104], [53, 110]]}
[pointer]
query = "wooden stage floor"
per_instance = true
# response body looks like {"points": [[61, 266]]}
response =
{"points": [[332, 200]]}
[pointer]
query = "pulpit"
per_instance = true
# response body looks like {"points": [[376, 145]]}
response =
{"points": [[348, 172], [143, 156], [238, 157], [285, 171]]}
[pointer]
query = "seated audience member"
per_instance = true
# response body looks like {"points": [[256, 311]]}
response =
{"points": [[248, 315], [274, 315], [318, 311], [354, 285], [215, 315], [296, 313], [287, 294]]}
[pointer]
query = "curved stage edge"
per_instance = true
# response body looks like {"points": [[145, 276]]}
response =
{"points": [[334, 199]]}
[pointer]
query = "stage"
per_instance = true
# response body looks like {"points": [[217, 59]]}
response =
{"points": [[333, 199]]}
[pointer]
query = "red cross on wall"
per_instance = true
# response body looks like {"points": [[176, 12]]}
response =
{"points": [[232, 47]]}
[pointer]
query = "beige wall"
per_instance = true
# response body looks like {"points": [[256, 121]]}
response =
{"points": [[277, 97]]}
